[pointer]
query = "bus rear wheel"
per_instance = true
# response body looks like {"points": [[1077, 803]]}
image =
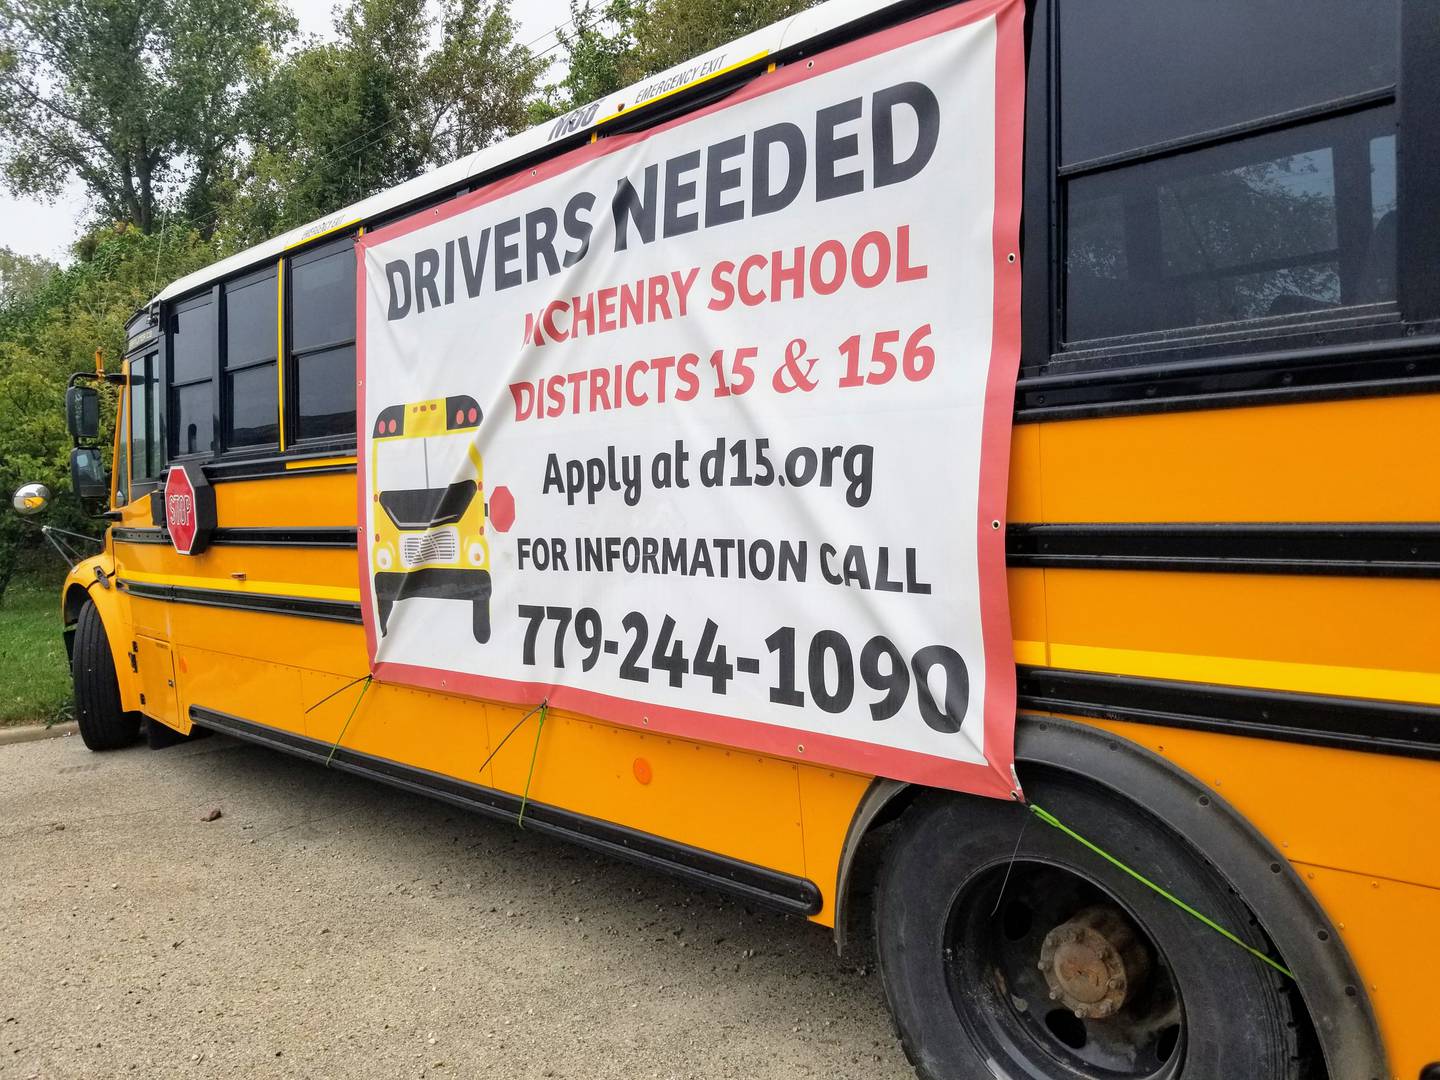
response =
{"points": [[1009, 950], [104, 725]]}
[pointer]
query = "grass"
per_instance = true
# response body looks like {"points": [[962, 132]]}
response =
{"points": [[34, 674]]}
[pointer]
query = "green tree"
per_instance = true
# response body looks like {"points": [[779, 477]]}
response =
{"points": [[599, 40], [407, 86], [52, 328], [138, 99], [672, 31], [613, 44], [21, 276]]}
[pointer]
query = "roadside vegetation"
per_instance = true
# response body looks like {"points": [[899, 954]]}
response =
{"points": [[200, 127], [34, 674]]}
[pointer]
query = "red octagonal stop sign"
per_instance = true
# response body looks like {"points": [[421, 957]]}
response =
{"points": [[189, 509], [502, 509]]}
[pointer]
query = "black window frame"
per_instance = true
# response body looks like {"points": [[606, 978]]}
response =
{"points": [[1296, 340], [151, 357], [120, 464], [290, 414], [212, 295], [224, 403]]}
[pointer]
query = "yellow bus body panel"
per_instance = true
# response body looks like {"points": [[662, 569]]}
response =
{"points": [[1353, 824]]}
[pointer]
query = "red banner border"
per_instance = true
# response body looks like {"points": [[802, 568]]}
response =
{"points": [[996, 777]]}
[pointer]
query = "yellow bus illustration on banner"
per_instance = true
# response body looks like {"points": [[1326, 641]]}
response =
{"points": [[427, 480]]}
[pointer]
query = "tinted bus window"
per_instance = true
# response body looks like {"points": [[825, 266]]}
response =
{"points": [[192, 367], [1296, 221], [144, 423], [1134, 75], [1225, 163], [251, 399], [322, 341]]}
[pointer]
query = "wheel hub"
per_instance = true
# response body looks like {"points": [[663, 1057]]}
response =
{"points": [[1093, 962]]}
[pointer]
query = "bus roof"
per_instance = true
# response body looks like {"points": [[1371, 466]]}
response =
{"points": [[816, 22]]}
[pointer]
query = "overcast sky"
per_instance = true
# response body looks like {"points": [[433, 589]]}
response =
{"points": [[37, 228]]}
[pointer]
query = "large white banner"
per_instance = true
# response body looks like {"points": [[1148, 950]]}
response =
{"points": [[705, 430]]}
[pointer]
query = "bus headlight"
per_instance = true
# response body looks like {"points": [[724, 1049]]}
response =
{"points": [[384, 557], [476, 553]]}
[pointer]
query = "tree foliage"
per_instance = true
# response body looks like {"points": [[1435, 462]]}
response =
{"points": [[21, 276], [597, 43], [200, 126], [618, 42], [406, 86], [50, 328], [672, 31], [139, 99]]}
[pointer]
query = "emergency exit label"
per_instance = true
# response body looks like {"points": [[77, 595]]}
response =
{"points": [[742, 384]]}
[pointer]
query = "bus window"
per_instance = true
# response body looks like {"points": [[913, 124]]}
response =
{"points": [[251, 393], [144, 441], [322, 341], [1285, 223], [192, 369], [1131, 80], [1220, 173]]}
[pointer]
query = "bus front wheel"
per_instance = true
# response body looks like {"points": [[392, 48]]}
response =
{"points": [[104, 725], [1007, 949]]}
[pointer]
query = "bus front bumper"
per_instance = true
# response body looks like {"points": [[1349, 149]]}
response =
{"points": [[435, 582]]}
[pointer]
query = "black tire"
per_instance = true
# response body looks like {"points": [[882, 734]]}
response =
{"points": [[970, 892], [104, 725]]}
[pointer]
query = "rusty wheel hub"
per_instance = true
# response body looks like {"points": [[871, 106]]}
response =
{"points": [[1094, 962]]}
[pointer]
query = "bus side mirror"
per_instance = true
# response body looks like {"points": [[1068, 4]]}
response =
{"points": [[82, 412], [31, 499], [87, 473]]}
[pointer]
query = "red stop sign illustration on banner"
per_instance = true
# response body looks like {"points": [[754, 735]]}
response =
{"points": [[189, 509], [502, 509]]}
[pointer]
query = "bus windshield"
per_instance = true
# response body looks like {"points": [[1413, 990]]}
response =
{"points": [[425, 481]]}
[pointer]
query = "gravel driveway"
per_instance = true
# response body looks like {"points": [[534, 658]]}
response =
{"points": [[325, 926]]}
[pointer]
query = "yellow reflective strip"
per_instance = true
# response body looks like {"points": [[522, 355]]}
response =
{"points": [[1030, 652], [280, 345], [319, 463], [693, 82], [1388, 685], [323, 232]]}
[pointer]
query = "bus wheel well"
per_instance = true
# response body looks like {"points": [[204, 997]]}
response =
{"points": [[75, 597], [1329, 986]]}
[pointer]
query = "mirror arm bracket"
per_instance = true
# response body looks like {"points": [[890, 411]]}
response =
{"points": [[116, 378]]}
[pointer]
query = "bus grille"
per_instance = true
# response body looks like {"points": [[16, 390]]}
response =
{"points": [[441, 545]]}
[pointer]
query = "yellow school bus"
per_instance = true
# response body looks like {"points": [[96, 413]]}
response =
{"points": [[1223, 546], [430, 537]]}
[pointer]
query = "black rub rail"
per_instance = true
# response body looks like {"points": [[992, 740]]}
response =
{"points": [[758, 884], [1387, 727]]}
